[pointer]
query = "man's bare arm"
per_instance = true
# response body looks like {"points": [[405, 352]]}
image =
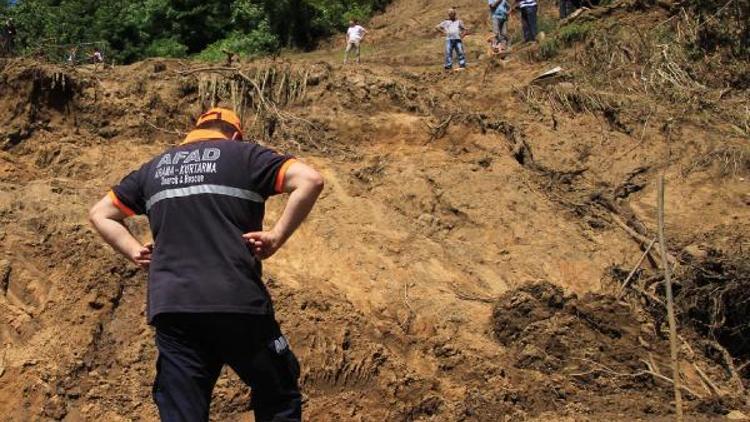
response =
{"points": [[304, 186], [107, 219]]}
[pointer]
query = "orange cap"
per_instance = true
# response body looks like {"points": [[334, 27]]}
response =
{"points": [[222, 114]]}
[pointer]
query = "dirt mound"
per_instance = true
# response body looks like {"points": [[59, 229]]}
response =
{"points": [[715, 298], [554, 333], [600, 344]]}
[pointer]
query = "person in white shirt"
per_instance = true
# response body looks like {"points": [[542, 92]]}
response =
{"points": [[354, 36], [454, 31]]}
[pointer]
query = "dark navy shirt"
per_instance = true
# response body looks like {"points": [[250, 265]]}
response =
{"points": [[200, 197]]}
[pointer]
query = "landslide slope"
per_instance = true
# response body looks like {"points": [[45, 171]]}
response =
{"points": [[445, 192]]}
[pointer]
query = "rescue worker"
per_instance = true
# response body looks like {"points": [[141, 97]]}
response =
{"points": [[205, 203]]}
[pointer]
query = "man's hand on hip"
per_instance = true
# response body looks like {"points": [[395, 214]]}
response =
{"points": [[263, 244], [142, 257], [303, 185]]}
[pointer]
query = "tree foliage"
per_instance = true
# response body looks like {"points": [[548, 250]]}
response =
{"points": [[134, 29], [722, 24]]}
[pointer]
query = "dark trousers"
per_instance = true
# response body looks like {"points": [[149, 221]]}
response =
{"points": [[194, 347], [528, 19], [568, 6]]}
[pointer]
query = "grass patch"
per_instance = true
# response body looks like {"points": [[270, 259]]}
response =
{"points": [[548, 49], [564, 38], [573, 33]]}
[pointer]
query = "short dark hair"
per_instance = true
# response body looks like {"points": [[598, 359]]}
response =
{"points": [[221, 126]]}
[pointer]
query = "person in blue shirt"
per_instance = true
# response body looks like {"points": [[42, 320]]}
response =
{"points": [[499, 11]]}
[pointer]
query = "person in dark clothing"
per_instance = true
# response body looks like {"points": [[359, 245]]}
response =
{"points": [[568, 6], [205, 201], [528, 19], [9, 36]]}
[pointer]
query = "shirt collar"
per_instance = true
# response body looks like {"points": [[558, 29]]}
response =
{"points": [[203, 135]]}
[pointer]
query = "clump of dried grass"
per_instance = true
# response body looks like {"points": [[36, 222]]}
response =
{"points": [[652, 62], [728, 160], [569, 98], [664, 64], [265, 92]]}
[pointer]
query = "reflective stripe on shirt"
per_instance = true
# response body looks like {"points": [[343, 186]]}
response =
{"points": [[526, 3], [201, 190]]}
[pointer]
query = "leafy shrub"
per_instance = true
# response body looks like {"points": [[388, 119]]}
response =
{"points": [[565, 37], [134, 29], [573, 33], [166, 47], [721, 25], [258, 41]]}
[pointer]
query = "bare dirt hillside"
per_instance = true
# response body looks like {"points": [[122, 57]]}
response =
{"points": [[465, 259]]}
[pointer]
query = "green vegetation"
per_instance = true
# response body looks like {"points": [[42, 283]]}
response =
{"points": [[574, 32], [130, 30], [548, 48], [720, 25]]}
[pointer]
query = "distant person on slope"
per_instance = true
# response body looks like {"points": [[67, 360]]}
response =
{"points": [[205, 201], [9, 36], [528, 19], [72, 56], [97, 56], [499, 11], [454, 31], [354, 37], [568, 6]]}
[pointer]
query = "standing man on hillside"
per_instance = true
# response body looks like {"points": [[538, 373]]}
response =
{"points": [[205, 201], [454, 31], [528, 19], [354, 37], [9, 36], [499, 11]]}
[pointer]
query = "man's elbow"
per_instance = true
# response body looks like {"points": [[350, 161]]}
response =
{"points": [[94, 216], [316, 182]]}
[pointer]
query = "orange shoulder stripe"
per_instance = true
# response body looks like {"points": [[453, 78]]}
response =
{"points": [[279, 185], [124, 208]]}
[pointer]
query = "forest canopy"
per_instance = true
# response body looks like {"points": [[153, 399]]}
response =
{"points": [[130, 30]]}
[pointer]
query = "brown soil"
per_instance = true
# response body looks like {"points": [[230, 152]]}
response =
{"points": [[412, 293]]}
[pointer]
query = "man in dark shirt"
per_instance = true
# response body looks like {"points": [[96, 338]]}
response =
{"points": [[9, 36], [205, 201]]}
